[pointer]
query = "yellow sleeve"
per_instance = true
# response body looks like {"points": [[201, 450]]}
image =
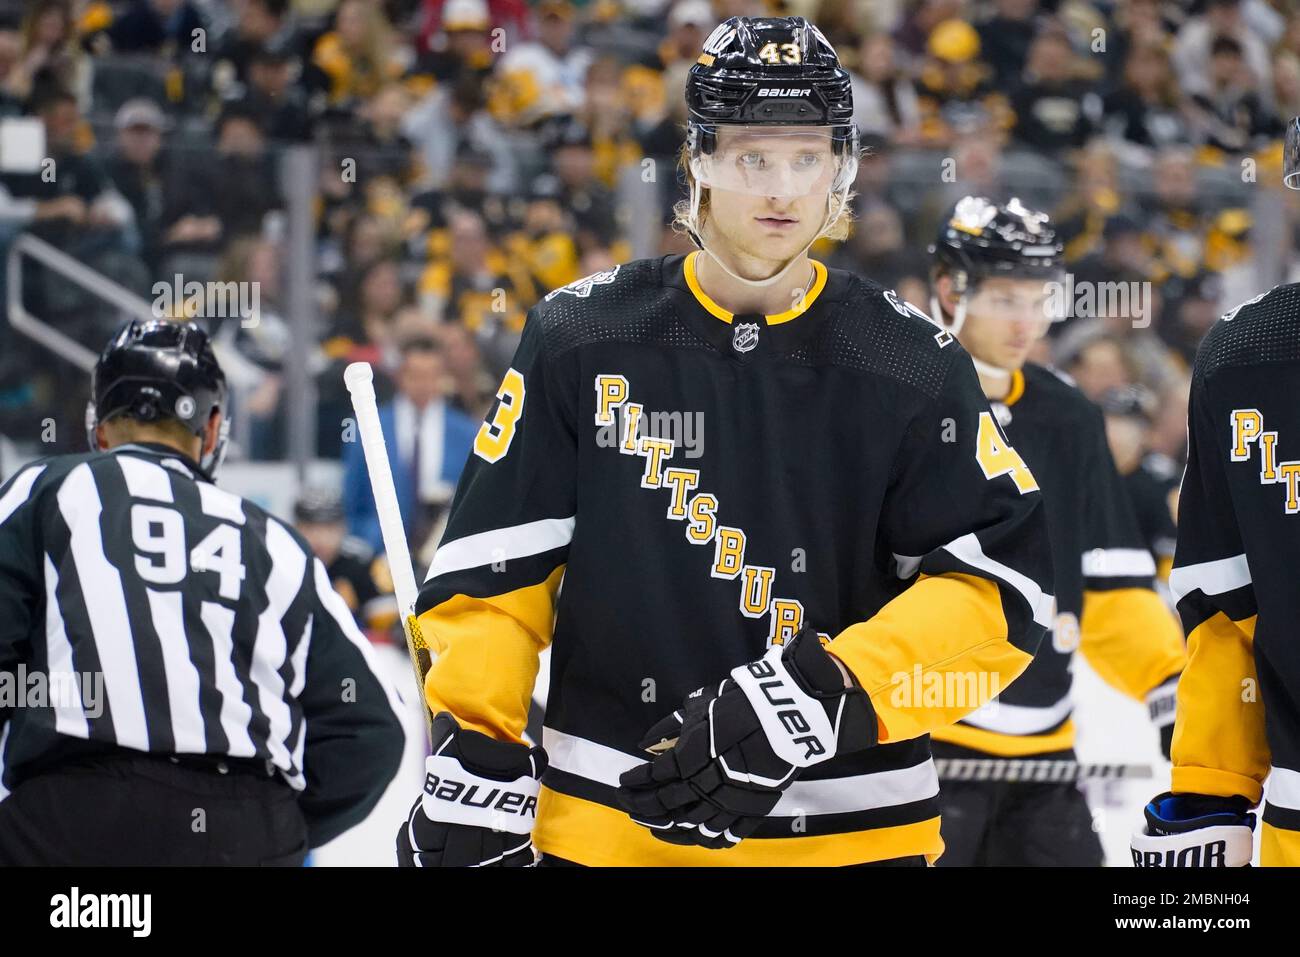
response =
{"points": [[932, 655], [486, 656], [1220, 721], [1131, 638]]}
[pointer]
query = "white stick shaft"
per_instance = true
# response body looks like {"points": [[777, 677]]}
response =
{"points": [[360, 382]]}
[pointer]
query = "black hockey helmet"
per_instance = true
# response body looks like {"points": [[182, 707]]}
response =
{"points": [[159, 369], [980, 239], [769, 71]]}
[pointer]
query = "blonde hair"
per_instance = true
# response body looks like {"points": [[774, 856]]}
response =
{"points": [[841, 221]]}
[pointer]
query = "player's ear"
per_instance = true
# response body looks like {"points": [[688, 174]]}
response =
{"points": [[101, 440], [944, 290], [212, 435]]}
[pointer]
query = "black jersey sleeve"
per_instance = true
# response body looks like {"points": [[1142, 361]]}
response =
{"points": [[488, 603], [1127, 633], [964, 518], [1219, 742]]}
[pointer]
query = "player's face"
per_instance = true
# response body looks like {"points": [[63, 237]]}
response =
{"points": [[1004, 319], [767, 192]]}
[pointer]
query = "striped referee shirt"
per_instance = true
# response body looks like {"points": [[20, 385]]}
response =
{"points": [[142, 607]]}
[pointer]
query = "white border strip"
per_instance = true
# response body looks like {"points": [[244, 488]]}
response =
{"points": [[1212, 578], [501, 544]]}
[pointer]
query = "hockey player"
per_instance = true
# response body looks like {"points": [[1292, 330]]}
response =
{"points": [[773, 482], [208, 698], [995, 269], [1234, 580]]}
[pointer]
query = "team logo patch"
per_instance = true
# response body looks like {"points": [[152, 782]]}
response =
{"points": [[582, 287], [745, 337]]}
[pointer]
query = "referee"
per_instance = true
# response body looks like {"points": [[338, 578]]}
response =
{"points": [[183, 684]]}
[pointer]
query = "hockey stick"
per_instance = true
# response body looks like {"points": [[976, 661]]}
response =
{"points": [[359, 378], [1004, 769]]}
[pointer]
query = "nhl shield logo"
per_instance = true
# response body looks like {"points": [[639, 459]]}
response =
{"points": [[745, 337]]}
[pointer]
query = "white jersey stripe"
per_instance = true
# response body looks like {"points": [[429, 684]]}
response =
{"points": [[1284, 788], [19, 492], [1017, 718], [166, 608], [501, 544], [144, 479], [68, 719], [288, 565], [235, 711], [220, 504], [967, 549], [862, 792], [1212, 578], [110, 624], [1118, 563]]}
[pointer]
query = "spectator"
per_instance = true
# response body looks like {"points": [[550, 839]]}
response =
{"points": [[77, 207], [1006, 38], [1229, 114], [136, 170], [463, 47], [360, 576], [1194, 47], [52, 61], [360, 55], [1147, 109], [278, 104], [884, 97], [162, 27], [545, 77], [428, 442], [1054, 110], [261, 23], [224, 195], [955, 91], [472, 286], [472, 388], [455, 116]]}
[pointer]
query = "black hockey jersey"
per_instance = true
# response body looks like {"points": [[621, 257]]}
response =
{"points": [[705, 484], [142, 607], [1105, 605], [1153, 491], [1235, 569]]}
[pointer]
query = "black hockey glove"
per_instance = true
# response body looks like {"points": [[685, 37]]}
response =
{"points": [[479, 802], [723, 760], [1195, 830]]}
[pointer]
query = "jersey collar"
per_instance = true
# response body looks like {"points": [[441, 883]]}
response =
{"points": [[771, 319], [165, 452]]}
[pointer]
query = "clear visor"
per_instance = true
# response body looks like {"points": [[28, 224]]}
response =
{"points": [[1043, 299], [1291, 155], [773, 161]]}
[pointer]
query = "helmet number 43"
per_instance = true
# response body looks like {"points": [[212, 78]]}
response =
{"points": [[779, 53]]}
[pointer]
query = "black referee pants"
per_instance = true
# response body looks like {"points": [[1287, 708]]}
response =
{"points": [[138, 809]]}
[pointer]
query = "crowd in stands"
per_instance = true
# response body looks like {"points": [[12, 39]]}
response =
{"points": [[474, 154]]}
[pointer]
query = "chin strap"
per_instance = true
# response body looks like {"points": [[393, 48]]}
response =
{"points": [[695, 230]]}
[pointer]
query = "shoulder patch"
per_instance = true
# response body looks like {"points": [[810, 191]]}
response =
{"points": [[582, 287]]}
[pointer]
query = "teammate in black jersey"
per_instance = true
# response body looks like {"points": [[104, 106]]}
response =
{"points": [[758, 509], [208, 698], [995, 271], [1235, 582]]}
